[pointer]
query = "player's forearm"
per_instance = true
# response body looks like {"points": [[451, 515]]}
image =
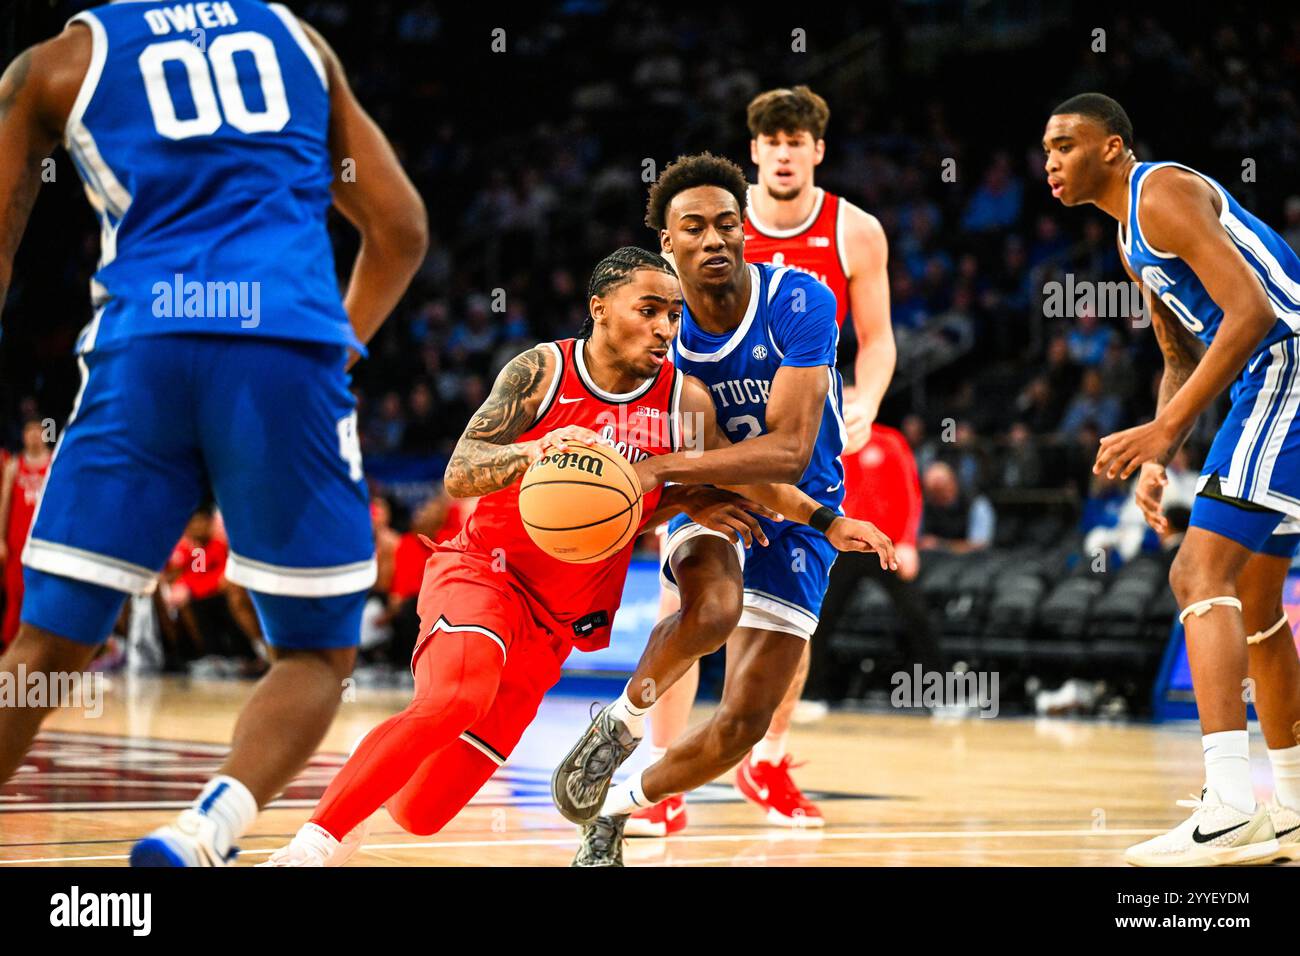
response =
{"points": [[479, 468], [1171, 380], [791, 503], [672, 502], [873, 369], [383, 269], [1222, 362], [769, 458]]}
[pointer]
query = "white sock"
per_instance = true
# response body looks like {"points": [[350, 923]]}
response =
{"points": [[1227, 768], [316, 840], [632, 716], [770, 749], [230, 806], [624, 798], [656, 752], [1286, 776]]}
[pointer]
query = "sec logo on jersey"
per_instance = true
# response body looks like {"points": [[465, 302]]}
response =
{"points": [[760, 352]]}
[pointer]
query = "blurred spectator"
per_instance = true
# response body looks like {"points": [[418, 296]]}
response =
{"points": [[1088, 340], [953, 521], [1124, 530], [22, 479], [996, 204], [1092, 404], [1021, 467], [197, 603], [884, 489]]}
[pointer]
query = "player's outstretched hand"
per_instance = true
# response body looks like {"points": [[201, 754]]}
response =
{"points": [[850, 534], [1122, 453], [729, 513], [1150, 493], [558, 441]]}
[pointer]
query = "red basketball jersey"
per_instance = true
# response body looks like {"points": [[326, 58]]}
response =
{"points": [[813, 246], [29, 481], [577, 598]]}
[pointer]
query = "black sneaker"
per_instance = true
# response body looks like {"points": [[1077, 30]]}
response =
{"points": [[602, 842], [582, 779]]}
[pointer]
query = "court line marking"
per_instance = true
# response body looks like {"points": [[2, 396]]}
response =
{"points": [[810, 835]]}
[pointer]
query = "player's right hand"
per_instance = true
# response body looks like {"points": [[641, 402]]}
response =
{"points": [[850, 534], [729, 513], [558, 440], [1150, 493]]}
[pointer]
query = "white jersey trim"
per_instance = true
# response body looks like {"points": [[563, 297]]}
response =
{"points": [[1224, 211], [617, 398], [738, 336], [774, 233], [301, 582], [840, 251], [87, 566], [554, 388], [296, 31], [90, 82]]}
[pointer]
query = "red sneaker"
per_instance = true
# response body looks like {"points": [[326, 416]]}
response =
{"points": [[663, 819], [771, 787]]}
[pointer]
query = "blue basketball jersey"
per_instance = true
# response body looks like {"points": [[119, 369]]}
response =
{"points": [[201, 134], [790, 320], [1274, 263]]}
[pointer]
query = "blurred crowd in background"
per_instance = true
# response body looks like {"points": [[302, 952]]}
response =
{"points": [[533, 164]]}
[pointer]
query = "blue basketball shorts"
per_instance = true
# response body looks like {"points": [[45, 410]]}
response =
{"points": [[784, 582], [1255, 458], [268, 425]]}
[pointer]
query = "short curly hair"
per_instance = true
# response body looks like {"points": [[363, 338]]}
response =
{"points": [[687, 172]]}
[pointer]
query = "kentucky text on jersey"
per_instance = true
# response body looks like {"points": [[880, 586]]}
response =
{"points": [[790, 320], [234, 94]]}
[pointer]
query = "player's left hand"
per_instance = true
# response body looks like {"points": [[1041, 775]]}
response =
{"points": [[857, 423], [850, 534], [1122, 453], [728, 512]]}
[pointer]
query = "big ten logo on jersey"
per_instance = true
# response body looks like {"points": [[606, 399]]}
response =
{"points": [[778, 259], [632, 429]]}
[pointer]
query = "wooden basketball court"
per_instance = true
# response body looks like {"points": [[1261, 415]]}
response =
{"points": [[896, 790]]}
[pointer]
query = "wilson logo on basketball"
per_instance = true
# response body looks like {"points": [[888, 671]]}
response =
{"points": [[591, 464]]}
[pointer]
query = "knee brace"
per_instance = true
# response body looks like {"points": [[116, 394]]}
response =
{"points": [[1201, 608], [1260, 636]]}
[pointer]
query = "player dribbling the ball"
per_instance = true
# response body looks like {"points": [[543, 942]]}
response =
{"points": [[499, 615]]}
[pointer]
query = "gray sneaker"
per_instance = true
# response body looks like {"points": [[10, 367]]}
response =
{"points": [[582, 779], [602, 842]]}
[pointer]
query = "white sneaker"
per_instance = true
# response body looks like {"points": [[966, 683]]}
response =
{"points": [[192, 840], [312, 846], [1286, 824], [1216, 834]]}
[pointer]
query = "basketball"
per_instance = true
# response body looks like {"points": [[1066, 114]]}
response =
{"points": [[581, 505]]}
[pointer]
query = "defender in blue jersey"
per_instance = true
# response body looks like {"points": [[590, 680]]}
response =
{"points": [[1224, 295], [762, 341], [208, 137]]}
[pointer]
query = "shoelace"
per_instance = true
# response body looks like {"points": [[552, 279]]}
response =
{"points": [[601, 842], [785, 784]]}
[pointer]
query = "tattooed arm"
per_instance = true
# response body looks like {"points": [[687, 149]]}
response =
{"points": [[36, 95], [487, 458]]}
